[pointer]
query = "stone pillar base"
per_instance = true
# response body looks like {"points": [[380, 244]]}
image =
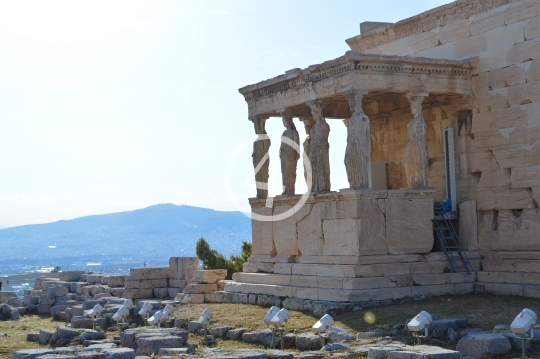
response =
{"points": [[348, 246]]}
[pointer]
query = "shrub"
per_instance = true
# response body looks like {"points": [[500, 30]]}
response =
{"points": [[212, 259]]}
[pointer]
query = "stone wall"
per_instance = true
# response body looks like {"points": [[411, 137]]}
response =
{"points": [[342, 224], [498, 159]]}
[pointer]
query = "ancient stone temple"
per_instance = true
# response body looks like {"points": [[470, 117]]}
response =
{"points": [[441, 106]]}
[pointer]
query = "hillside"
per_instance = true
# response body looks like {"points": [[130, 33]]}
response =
{"points": [[150, 235]]}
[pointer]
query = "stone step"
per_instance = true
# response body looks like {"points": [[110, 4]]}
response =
{"points": [[525, 290], [509, 277], [349, 295], [312, 281], [356, 260], [511, 265], [371, 270]]}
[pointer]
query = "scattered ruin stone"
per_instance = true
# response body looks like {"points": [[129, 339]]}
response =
{"points": [[440, 327], [424, 351], [5, 296], [209, 276], [32, 337], [266, 336], [14, 315], [56, 356], [194, 327], [14, 302], [338, 334], [483, 345], [30, 353], [220, 332], [152, 345], [236, 334], [309, 341], [452, 335], [335, 346], [57, 291], [45, 336], [234, 353], [251, 337]]}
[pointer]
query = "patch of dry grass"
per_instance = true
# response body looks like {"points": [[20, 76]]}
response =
{"points": [[15, 338], [243, 315], [482, 311]]}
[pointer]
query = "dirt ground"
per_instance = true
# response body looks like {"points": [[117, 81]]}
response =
{"points": [[481, 310]]}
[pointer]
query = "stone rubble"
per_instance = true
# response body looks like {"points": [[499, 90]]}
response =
{"points": [[139, 342]]}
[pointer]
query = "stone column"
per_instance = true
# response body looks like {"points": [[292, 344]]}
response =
{"points": [[416, 153], [289, 153], [261, 160], [358, 152], [308, 124], [319, 149]]}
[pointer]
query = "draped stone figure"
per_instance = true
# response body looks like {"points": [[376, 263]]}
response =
{"points": [[261, 160], [416, 153], [358, 152], [308, 125], [289, 156], [319, 150]]}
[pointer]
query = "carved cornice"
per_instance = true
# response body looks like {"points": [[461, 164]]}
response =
{"points": [[353, 62]]}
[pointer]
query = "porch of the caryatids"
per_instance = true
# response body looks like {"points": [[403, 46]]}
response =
{"points": [[358, 151], [261, 160], [289, 153], [308, 125], [319, 149], [416, 160]]}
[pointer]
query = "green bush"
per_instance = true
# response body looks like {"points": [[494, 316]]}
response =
{"points": [[212, 259]]}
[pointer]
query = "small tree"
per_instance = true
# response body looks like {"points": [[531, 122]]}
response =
{"points": [[212, 259]]}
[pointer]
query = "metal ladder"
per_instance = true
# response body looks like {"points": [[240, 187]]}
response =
{"points": [[448, 238]]}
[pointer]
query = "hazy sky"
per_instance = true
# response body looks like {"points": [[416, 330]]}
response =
{"points": [[116, 105]]}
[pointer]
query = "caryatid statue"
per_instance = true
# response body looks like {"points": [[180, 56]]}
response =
{"points": [[261, 159], [289, 153], [416, 153], [319, 150], [358, 152], [308, 125]]}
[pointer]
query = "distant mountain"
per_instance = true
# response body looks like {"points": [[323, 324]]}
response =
{"points": [[150, 235]]}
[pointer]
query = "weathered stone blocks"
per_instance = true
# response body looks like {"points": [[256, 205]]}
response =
{"points": [[147, 283], [483, 345], [149, 273], [181, 268], [209, 276], [152, 345], [284, 232], [5, 296], [409, 236], [138, 293], [262, 232]]}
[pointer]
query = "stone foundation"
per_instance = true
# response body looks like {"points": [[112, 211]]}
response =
{"points": [[349, 223], [349, 246]]}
